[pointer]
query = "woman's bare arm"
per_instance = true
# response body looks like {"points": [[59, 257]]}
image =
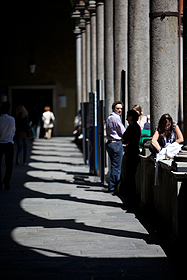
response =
{"points": [[155, 142], [180, 137]]}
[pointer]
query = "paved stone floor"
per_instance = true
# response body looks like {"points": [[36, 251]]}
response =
{"points": [[56, 223]]}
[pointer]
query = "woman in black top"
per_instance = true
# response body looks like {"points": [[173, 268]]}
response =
{"points": [[131, 137]]}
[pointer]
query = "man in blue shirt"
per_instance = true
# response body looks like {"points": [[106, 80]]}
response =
{"points": [[115, 130], [7, 131]]}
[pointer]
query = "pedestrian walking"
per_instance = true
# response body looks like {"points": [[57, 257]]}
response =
{"points": [[131, 138], [7, 131], [22, 133], [48, 118], [115, 129]]}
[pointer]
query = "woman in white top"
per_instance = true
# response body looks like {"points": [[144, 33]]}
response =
{"points": [[48, 118], [142, 119]]}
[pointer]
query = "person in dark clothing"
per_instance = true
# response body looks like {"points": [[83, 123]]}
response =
{"points": [[35, 118], [22, 132], [131, 137], [7, 130]]}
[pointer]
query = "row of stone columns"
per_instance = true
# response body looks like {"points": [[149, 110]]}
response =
{"points": [[140, 37]]}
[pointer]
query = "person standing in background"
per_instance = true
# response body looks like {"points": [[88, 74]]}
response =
{"points": [[7, 131], [115, 130], [131, 138], [35, 116], [48, 118], [142, 120], [22, 133]]}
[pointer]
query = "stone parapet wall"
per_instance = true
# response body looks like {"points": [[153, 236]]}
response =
{"points": [[168, 198]]}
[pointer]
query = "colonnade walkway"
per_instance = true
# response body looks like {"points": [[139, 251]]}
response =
{"points": [[57, 223]]}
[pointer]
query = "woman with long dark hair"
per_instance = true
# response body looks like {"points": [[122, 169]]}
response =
{"points": [[167, 132]]}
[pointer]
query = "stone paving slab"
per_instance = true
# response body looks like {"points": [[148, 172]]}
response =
{"points": [[56, 223]]}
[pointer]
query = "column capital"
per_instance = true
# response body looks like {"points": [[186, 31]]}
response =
{"points": [[86, 15], [82, 24], [81, 6], [77, 30], [100, 2], [76, 15], [92, 6]]}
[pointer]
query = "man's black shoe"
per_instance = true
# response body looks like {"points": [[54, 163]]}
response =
{"points": [[115, 193], [108, 191]]}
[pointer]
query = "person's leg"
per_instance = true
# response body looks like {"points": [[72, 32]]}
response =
{"points": [[132, 164], [25, 149], [38, 132], [115, 151], [46, 133], [49, 133], [1, 157], [19, 149], [9, 154]]}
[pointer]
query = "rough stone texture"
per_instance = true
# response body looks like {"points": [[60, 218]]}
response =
{"points": [[83, 50], [100, 42], [109, 54], [120, 44], [88, 70], [57, 223], [93, 51], [78, 70], [138, 54], [164, 62]]}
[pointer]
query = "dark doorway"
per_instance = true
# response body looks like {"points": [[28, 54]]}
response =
{"points": [[32, 97], [34, 100]]}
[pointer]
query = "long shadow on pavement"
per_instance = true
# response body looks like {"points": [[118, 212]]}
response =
{"points": [[33, 261]]}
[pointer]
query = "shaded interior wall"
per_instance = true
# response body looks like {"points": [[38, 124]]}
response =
{"points": [[42, 31]]}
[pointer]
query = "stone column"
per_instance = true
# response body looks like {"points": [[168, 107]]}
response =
{"points": [[100, 41], [82, 26], [138, 54], [109, 53], [120, 44], [164, 67], [88, 58], [77, 31], [185, 70], [76, 16], [92, 9]]}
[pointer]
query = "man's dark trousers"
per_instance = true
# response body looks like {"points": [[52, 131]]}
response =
{"points": [[8, 150], [115, 151]]}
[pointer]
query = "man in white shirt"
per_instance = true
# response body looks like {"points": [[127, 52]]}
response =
{"points": [[7, 131]]}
